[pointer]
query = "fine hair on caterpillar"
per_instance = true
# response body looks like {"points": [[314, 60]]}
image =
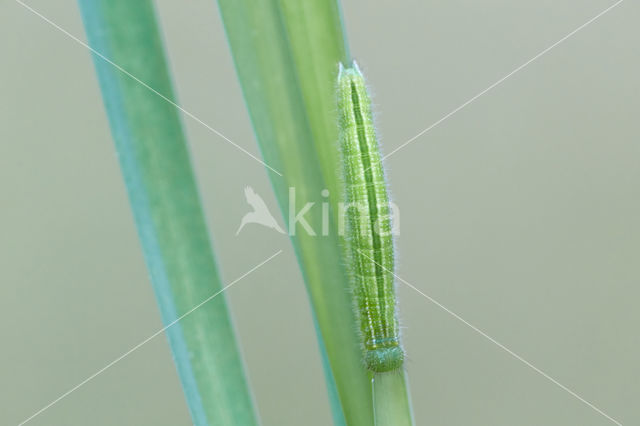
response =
{"points": [[368, 237]]}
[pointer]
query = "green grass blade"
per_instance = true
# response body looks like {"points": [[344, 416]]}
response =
{"points": [[391, 399], [286, 54], [318, 43], [157, 171]]}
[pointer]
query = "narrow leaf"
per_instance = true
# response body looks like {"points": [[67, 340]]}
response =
{"points": [[286, 55], [166, 206]]}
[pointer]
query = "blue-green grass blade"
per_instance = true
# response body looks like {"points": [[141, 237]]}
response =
{"points": [[157, 171]]}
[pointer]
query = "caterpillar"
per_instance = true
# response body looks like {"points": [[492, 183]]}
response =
{"points": [[369, 240]]}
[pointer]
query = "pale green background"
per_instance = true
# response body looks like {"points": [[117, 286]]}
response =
{"points": [[520, 213]]}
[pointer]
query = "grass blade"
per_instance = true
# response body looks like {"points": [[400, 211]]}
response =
{"points": [[318, 43], [157, 171], [391, 399], [286, 55]]}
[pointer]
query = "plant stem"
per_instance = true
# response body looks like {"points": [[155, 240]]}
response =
{"points": [[157, 171], [391, 400], [286, 55], [318, 42]]}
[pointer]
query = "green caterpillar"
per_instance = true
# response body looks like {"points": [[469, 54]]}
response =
{"points": [[368, 219]]}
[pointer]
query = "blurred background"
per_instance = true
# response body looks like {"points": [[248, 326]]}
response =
{"points": [[520, 213]]}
